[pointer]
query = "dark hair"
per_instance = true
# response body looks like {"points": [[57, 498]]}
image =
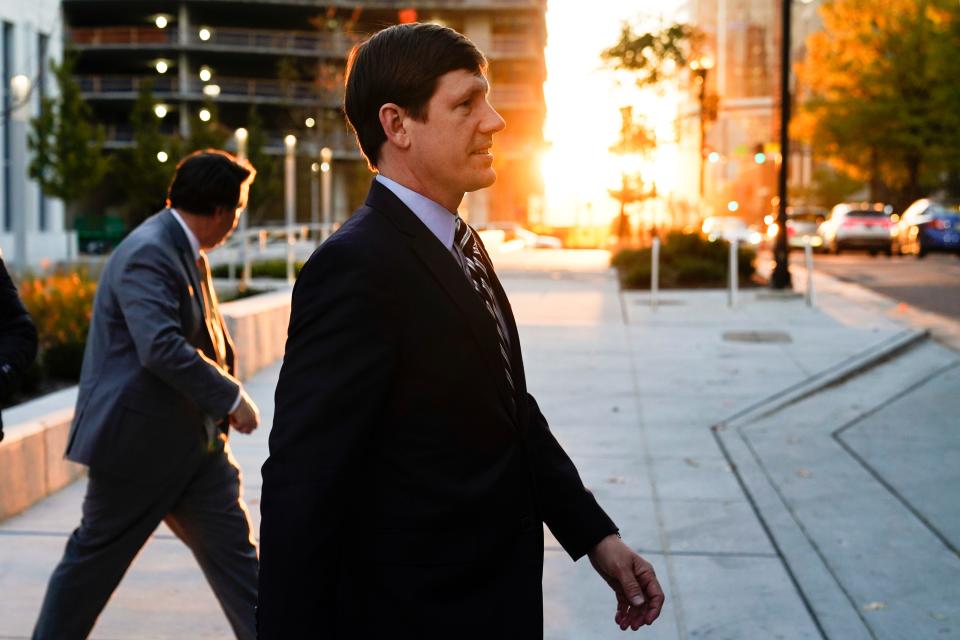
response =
{"points": [[401, 64], [208, 180]]}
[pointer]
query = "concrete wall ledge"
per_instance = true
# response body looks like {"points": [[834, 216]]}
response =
{"points": [[32, 465]]}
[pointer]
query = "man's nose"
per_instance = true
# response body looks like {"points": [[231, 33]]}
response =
{"points": [[494, 122]]}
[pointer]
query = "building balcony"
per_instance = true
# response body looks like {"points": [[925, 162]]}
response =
{"points": [[262, 41], [513, 46], [540, 5], [243, 90], [340, 141], [516, 96]]}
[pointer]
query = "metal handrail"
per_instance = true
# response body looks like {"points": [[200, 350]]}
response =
{"points": [[229, 87]]}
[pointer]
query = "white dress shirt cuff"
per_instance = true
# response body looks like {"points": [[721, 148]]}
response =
{"points": [[236, 403]]}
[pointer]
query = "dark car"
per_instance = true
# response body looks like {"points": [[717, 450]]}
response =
{"points": [[928, 225]]}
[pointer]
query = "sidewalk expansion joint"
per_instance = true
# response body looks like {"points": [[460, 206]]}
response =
{"points": [[776, 516], [837, 436]]}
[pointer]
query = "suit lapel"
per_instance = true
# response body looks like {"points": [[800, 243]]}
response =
{"points": [[182, 245], [444, 268]]}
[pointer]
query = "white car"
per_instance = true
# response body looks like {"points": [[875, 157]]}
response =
{"points": [[858, 226], [730, 228]]}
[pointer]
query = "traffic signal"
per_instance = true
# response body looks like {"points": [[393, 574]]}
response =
{"points": [[758, 154]]}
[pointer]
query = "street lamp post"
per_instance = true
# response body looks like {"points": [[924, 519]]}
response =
{"points": [[326, 175], [780, 278], [289, 198], [19, 92], [701, 67], [241, 136]]}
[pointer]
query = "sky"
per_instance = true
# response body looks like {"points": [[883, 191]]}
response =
{"points": [[583, 110]]}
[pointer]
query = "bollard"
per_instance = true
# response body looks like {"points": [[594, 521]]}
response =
{"points": [[245, 248], [732, 274], [654, 272], [808, 255]]}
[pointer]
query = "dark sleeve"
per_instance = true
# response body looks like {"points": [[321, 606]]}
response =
{"points": [[569, 509], [337, 370], [18, 336], [148, 292]]}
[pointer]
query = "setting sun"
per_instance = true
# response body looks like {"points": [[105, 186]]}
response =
{"points": [[583, 117]]}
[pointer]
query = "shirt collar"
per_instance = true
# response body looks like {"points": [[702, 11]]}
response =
{"points": [[191, 238], [437, 219]]}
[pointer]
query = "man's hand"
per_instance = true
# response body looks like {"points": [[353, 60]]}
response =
{"points": [[639, 596], [246, 417]]}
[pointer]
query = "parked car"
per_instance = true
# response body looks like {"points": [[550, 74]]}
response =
{"points": [[803, 224], [858, 226], [514, 233], [928, 225], [730, 228]]}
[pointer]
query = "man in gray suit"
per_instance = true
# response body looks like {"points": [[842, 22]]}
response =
{"points": [[157, 397]]}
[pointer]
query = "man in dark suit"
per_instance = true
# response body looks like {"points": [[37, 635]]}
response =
{"points": [[18, 337], [157, 397], [410, 471]]}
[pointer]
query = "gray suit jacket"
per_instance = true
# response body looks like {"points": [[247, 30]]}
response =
{"points": [[150, 386]]}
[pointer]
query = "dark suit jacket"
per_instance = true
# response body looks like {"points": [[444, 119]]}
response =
{"points": [[18, 336], [406, 485], [150, 383]]}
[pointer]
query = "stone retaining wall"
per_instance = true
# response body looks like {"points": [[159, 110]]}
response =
{"points": [[32, 465]]}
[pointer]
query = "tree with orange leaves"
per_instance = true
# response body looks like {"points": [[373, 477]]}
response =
{"points": [[883, 80]]}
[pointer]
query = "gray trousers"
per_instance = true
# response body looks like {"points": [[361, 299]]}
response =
{"points": [[200, 501]]}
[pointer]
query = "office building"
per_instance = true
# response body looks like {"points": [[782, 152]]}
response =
{"points": [[31, 224], [287, 57]]}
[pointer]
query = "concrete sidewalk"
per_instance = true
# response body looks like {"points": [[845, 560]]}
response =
{"points": [[774, 527]]}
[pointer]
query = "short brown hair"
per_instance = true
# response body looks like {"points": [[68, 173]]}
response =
{"points": [[208, 180], [401, 64]]}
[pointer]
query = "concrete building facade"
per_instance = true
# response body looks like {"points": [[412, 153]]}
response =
{"points": [[32, 230], [743, 38], [288, 57]]}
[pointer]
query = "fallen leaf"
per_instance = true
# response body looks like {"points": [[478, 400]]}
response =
{"points": [[804, 473], [616, 480], [874, 606], [691, 462]]}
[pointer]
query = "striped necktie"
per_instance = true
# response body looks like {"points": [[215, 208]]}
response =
{"points": [[475, 268]]}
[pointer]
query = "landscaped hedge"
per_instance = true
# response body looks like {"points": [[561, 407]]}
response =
{"points": [[260, 269], [686, 261], [61, 305]]}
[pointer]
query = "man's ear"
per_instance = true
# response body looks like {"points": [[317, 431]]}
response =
{"points": [[392, 120]]}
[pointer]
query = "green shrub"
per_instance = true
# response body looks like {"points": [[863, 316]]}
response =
{"points": [[686, 260], [260, 269]]}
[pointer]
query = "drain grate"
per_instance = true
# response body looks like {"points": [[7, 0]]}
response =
{"points": [[761, 337]]}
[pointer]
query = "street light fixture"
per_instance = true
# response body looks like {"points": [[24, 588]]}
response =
{"points": [[211, 90], [289, 199], [162, 66], [204, 115], [310, 122], [162, 156], [161, 21], [326, 176], [204, 33], [206, 73], [160, 110]]}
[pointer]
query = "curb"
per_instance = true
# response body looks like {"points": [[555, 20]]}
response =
{"points": [[815, 584], [833, 375]]}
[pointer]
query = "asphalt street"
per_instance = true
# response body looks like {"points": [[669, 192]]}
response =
{"points": [[931, 284]]}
